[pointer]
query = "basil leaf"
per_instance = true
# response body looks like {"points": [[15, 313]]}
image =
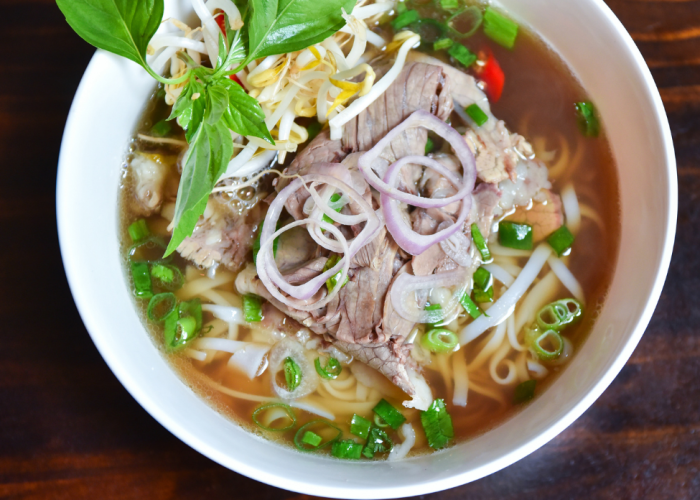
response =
{"points": [[281, 26], [123, 27], [217, 103], [235, 55], [244, 114], [206, 160]]}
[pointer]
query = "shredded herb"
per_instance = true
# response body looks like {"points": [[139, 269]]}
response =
{"points": [[378, 441], [437, 425], [525, 391]]}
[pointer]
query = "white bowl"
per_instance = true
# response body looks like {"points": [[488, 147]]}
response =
{"points": [[594, 43]]}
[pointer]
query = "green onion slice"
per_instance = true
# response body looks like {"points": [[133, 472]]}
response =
{"points": [[513, 235], [167, 276], [331, 370], [139, 230], [252, 308], [192, 309], [377, 442], [469, 306], [499, 28], [404, 19], [142, 280], [525, 391], [333, 280], [557, 315], [464, 23], [161, 129], [379, 421], [150, 245], [439, 340], [347, 449], [587, 118], [443, 43], [437, 425], [429, 146], [477, 114], [300, 438], [433, 307], [561, 240], [292, 374], [256, 244], [547, 346], [449, 4], [462, 55], [483, 296], [480, 242], [430, 30], [260, 410], [360, 426], [389, 414], [160, 306]]}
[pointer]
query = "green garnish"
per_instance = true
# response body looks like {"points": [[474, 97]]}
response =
{"points": [[161, 129], [462, 55], [430, 30], [256, 243], [267, 406], [449, 4], [314, 439], [561, 240], [360, 426], [334, 199], [429, 146], [333, 280], [483, 286], [513, 235], [443, 43], [379, 421], [377, 442], [525, 391], [558, 315], [211, 105], [437, 425], [142, 280], [348, 449], [587, 118], [389, 414], [404, 19], [182, 325], [161, 306], [167, 276], [469, 306], [313, 130], [292, 374], [433, 307], [499, 28], [252, 308], [138, 231], [477, 114], [464, 23], [547, 346], [480, 243], [439, 340], [331, 370]]}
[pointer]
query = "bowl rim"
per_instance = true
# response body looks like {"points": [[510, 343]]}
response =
{"points": [[239, 465]]}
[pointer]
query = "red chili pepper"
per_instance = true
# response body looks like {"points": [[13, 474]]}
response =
{"points": [[235, 79], [220, 20], [494, 78]]}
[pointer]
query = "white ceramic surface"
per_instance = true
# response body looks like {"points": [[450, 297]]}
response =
{"points": [[594, 43]]}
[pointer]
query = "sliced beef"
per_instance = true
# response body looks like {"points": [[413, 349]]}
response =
{"points": [[545, 216], [485, 202]]}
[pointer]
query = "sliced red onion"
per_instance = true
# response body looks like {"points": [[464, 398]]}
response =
{"points": [[462, 151], [404, 300], [456, 247], [267, 268]]}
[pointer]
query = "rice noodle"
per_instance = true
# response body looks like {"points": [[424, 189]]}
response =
{"points": [[379, 88], [229, 7], [194, 354], [491, 346], [181, 42], [500, 274], [461, 379], [538, 370], [198, 286], [572, 211], [567, 278], [400, 451], [541, 294], [227, 314], [504, 306], [513, 334], [497, 359], [521, 367]]}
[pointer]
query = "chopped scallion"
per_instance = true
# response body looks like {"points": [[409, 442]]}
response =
{"points": [[430, 30], [347, 449], [404, 19], [525, 391], [469, 306], [292, 374], [259, 411], [477, 114], [331, 370], [360, 426], [139, 231], [480, 243], [429, 146], [483, 296], [443, 43], [483, 286], [377, 442], [587, 118], [182, 325], [464, 23], [333, 280], [379, 421], [547, 346], [462, 55], [499, 28], [161, 129], [439, 340], [389, 414], [437, 425], [252, 308], [513, 235], [256, 244], [160, 306], [321, 428], [561, 240], [168, 276], [449, 4], [142, 280], [314, 129], [335, 198], [558, 315], [192, 308], [433, 307]]}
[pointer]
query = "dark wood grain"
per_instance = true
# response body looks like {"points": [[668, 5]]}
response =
{"points": [[68, 430]]}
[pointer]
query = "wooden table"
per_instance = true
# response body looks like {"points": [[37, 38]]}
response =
{"points": [[69, 430]]}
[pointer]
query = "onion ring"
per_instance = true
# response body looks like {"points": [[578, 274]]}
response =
{"points": [[406, 284]]}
